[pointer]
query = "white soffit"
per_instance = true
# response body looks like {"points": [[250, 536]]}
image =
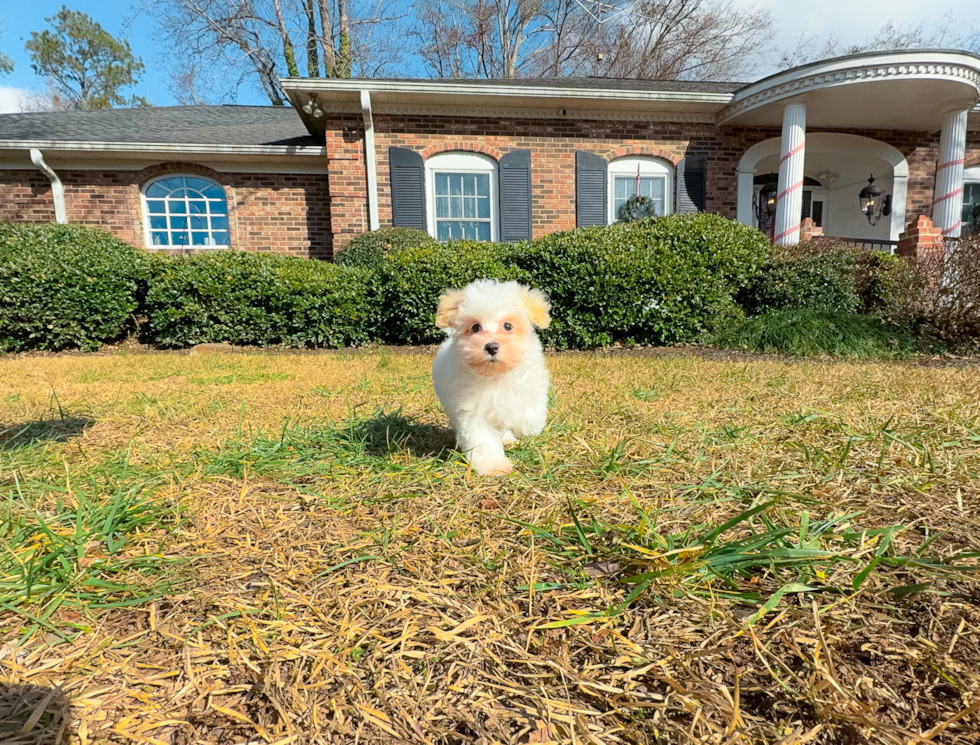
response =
{"points": [[475, 99]]}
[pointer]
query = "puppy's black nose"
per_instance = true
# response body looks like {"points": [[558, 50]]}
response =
{"points": [[492, 348]]}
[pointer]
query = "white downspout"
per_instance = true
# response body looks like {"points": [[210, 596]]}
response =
{"points": [[372, 169], [57, 189]]}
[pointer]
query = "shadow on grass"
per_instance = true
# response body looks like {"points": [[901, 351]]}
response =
{"points": [[386, 433], [62, 429], [32, 715]]}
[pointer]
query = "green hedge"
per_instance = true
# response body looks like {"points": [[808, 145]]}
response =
{"points": [[678, 278], [410, 281], [368, 250], [652, 281], [814, 276], [831, 277], [66, 287], [260, 299]]}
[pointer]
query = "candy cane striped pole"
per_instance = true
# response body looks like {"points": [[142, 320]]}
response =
{"points": [[947, 205], [789, 199]]}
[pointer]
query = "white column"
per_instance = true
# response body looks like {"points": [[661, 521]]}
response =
{"points": [[792, 151], [947, 205], [746, 187]]}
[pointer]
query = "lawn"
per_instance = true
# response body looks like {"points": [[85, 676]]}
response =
{"points": [[283, 548]]}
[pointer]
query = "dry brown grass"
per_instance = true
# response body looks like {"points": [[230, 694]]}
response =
{"points": [[345, 578]]}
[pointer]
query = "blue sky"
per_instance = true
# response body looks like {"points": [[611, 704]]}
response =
{"points": [[851, 21]]}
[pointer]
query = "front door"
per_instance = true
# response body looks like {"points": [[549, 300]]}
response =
{"points": [[815, 207]]}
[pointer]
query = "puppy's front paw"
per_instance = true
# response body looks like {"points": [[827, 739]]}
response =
{"points": [[494, 468], [508, 439]]}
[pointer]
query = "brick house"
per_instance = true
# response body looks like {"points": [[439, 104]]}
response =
{"points": [[511, 159]]}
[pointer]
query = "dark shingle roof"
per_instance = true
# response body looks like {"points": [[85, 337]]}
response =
{"points": [[173, 125]]}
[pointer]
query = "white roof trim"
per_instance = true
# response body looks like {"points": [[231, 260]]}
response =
{"points": [[961, 67], [310, 85], [166, 148]]}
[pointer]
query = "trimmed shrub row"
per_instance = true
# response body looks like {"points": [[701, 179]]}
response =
{"points": [[648, 282], [67, 287], [655, 281], [257, 299]]}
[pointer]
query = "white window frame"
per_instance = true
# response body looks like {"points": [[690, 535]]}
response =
{"points": [[460, 162], [148, 230], [650, 167]]}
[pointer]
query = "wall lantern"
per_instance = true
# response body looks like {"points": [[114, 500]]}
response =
{"points": [[874, 202], [766, 204]]}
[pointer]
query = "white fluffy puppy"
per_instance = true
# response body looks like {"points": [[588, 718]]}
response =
{"points": [[490, 373]]}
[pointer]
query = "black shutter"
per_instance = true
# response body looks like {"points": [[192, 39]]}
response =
{"points": [[407, 188], [515, 196], [691, 176], [591, 195]]}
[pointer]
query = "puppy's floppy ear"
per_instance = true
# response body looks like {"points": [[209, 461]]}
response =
{"points": [[537, 307], [448, 308]]}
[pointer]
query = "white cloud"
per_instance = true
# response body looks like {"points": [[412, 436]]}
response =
{"points": [[12, 99], [853, 22]]}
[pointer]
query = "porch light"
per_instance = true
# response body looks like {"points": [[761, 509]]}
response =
{"points": [[766, 206], [874, 203]]}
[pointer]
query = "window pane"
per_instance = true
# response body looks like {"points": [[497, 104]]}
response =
{"points": [[198, 206], [159, 189], [443, 231], [657, 190], [622, 184], [469, 186], [213, 191], [455, 184], [469, 207], [178, 193], [442, 184], [178, 223], [442, 206], [178, 239], [219, 223], [455, 205], [156, 207], [178, 207], [199, 239], [220, 238], [218, 208], [483, 231], [199, 222], [158, 222], [484, 207], [161, 239]]}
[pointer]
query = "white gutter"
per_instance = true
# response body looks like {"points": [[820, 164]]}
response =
{"points": [[153, 147], [369, 157], [522, 91], [57, 189]]}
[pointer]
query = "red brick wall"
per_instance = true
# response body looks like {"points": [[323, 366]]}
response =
{"points": [[553, 144], [279, 213], [25, 196]]}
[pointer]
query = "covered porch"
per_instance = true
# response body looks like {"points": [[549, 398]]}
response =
{"points": [[825, 176]]}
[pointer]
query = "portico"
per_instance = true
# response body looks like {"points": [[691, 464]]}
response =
{"points": [[921, 91]]}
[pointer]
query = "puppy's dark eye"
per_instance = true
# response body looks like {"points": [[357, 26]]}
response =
{"points": [[508, 327], [475, 328]]}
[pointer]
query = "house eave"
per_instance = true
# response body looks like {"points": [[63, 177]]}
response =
{"points": [[141, 149]]}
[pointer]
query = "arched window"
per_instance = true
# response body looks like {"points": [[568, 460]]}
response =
{"points": [[648, 177], [461, 194], [185, 211]]}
